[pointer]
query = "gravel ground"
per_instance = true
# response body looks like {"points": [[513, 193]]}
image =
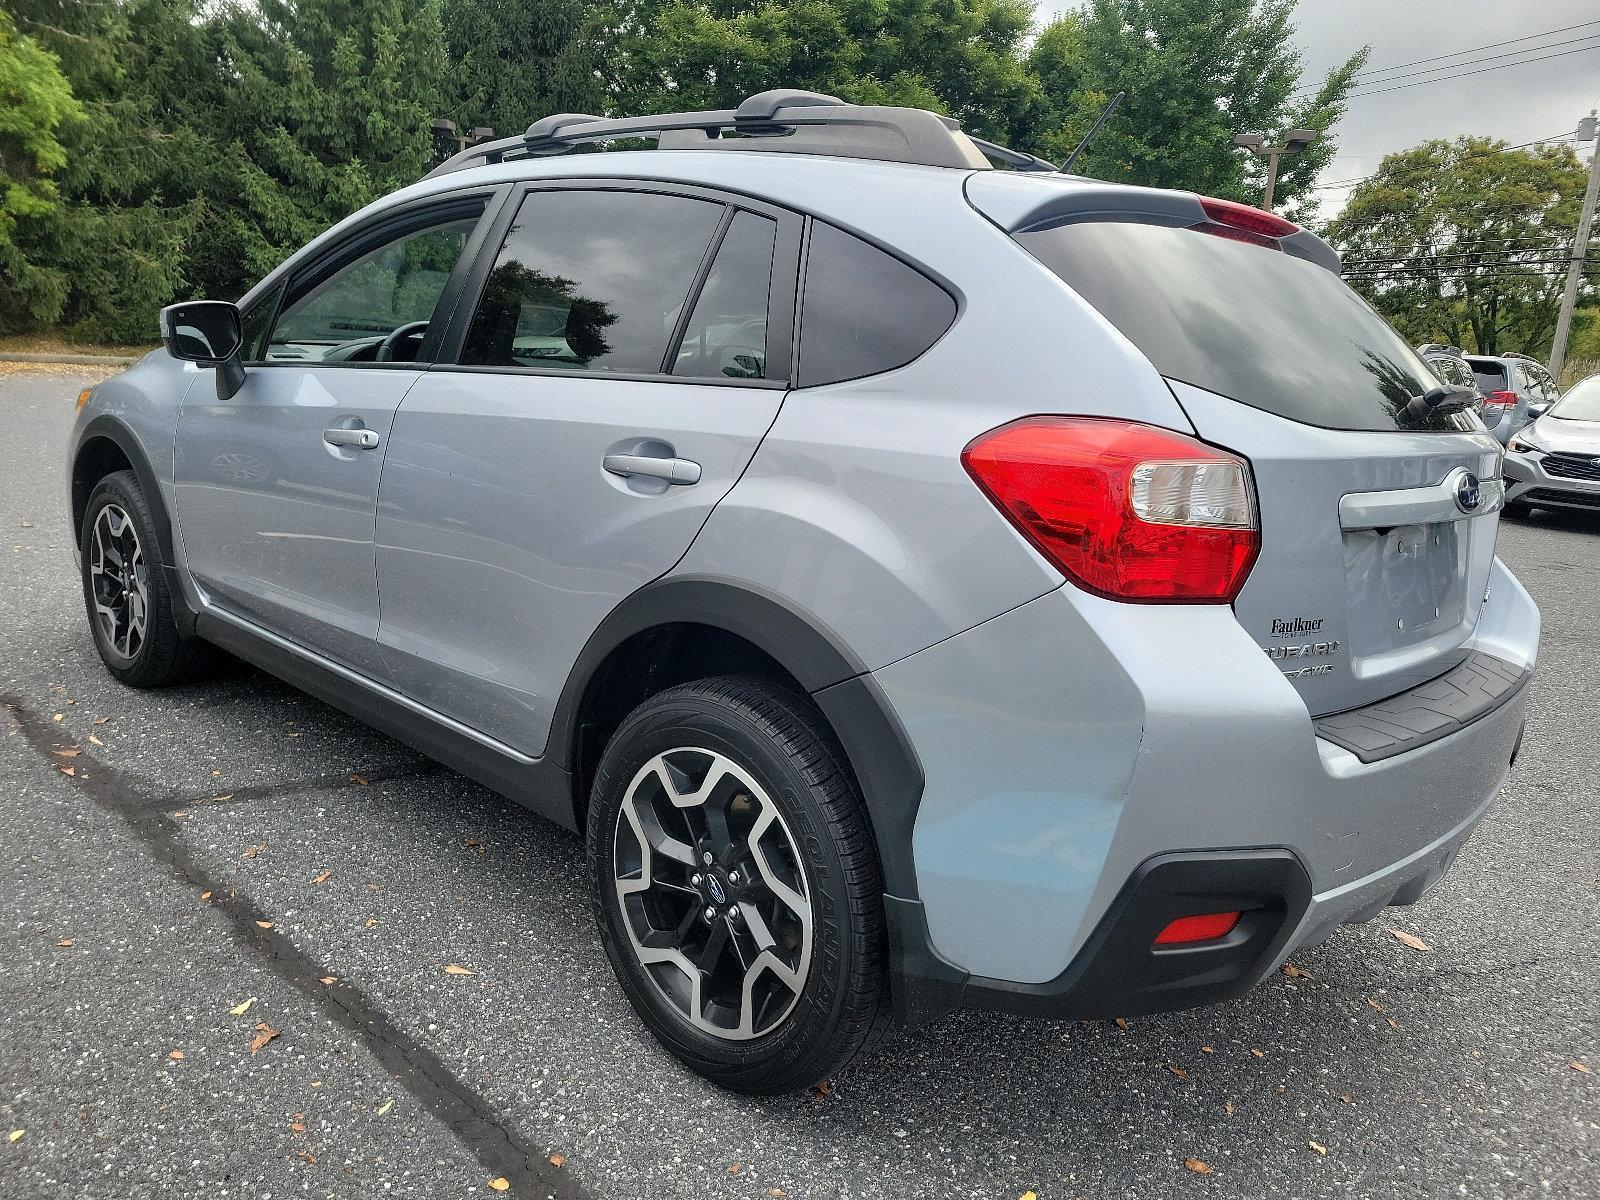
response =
{"points": [[236, 842]]}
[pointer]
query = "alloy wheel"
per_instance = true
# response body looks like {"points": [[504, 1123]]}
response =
{"points": [[713, 895], [119, 582]]}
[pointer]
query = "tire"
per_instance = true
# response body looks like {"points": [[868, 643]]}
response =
{"points": [[752, 746], [142, 648]]}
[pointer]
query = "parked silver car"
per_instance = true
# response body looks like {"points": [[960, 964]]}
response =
{"points": [[924, 584], [1515, 389], [1555, 461]]}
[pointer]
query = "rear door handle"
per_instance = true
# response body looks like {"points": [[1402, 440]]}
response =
{"points": [[361, 439], [673, 470]]}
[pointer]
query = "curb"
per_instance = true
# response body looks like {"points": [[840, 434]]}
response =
{"points": [[81, 360]]}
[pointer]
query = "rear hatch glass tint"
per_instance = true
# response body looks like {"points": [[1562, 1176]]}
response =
{"points": [[1262, 327], [1491, 377]]}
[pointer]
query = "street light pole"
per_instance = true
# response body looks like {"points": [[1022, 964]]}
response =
{"points": [[1294, 141], [1580, 247]]}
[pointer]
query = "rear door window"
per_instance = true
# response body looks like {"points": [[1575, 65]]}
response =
{"points": [[591, 281], [864, 311], [1252, 323], [726, 337]]}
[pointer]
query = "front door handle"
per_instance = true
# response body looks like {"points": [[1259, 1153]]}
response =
{"points": [[673, 470], [361, 439]]}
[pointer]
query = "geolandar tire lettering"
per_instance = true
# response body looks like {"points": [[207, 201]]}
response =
{"points": [[736, 884]]}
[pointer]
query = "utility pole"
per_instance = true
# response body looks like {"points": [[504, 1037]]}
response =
{"points": [[1294, 141], [1580, 247]]}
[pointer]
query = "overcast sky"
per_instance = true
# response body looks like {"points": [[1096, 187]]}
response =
{"points": [[1517, 104]]}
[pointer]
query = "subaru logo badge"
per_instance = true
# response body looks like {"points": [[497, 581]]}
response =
{"points": [[714, 886], [1468, 493]]}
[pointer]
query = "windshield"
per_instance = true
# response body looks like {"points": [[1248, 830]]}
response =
{"points": [[1255, 324], [1581, 403]]}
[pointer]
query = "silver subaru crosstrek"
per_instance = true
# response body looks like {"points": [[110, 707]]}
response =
{"points": [[924, 584]]}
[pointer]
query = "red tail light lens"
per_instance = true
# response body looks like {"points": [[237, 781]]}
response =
{"points": [[1500, 399], [1126, 511], [1242, 216], [1206, 928]]}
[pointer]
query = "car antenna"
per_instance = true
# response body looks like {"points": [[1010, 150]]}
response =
{"points": [[1105, 116]]}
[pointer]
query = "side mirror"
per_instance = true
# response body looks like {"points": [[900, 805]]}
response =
{"points": [[1535, 411], [208, 332]]}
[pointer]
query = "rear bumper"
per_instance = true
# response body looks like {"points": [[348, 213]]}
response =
{"points": [[1528, 482], [1060, 778]]}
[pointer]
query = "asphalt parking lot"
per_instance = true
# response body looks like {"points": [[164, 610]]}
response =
{"points": [[226, 914]]}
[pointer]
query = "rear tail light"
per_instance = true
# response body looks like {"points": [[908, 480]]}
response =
{"points": [[1126, 511], [1499, 399], [1206, 928]]}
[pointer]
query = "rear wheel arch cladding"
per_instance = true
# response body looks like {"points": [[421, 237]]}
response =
{"points": [[862, 719]]}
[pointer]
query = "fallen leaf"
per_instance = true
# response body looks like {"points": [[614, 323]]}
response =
{"points": [[101, 720], [252, 851], [372, 887], [1318, 1147], [1207, 1050], [229, 796], [558, 1160], [776, 1192], [1229, 1108], [735, 1168], [264, 924], [296, 1127], [68, 770], [454, 969], [15, 1135], [1179, 1072], [499, 1184], [1346, 1098], [327, 979], [94, 741], [1581, 1067], [176, 1055], [321, 877], [65, 943], [66, 753], [59, 717], [1393, 1024], [371, 921], [1030, 1194], [264, 1034], [239, 1010], [822, 1089], [204, 896], [295, 733], [1122, 1022], [1294, 972], [383, 1109], [1376, 1007], [361, 779], [1410, 939], [307, 1156], [476, 846], [1198, 1167], [1258, 1053]]}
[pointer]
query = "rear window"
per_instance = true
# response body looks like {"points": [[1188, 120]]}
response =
{"points": [[1491, 377], [1255, 324]]}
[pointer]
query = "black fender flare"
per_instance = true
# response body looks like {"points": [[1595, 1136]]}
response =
{"points": [[115, 431], [862, 718]]}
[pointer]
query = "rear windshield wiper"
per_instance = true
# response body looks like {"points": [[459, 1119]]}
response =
{"points": [[1436, 401]]}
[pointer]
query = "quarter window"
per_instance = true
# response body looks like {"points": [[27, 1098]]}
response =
{"points": [[376, 308], [864, 311], [591, 281], [726, 337]]}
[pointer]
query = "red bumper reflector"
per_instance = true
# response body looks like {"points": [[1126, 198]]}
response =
{"points": [[1205, 928]]}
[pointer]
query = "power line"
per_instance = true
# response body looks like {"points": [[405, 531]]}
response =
{"points": [[1472, 62], [1367, 75], [1400, 87], [1422, 168]]}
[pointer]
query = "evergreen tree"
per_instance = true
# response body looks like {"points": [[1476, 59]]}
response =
{"points": [[514, 61]]}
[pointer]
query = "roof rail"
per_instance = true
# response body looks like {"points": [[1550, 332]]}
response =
{"points": [[781, 120]]}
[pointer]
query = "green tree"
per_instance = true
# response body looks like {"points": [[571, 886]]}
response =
{"points": [[961, 57], [1465, 241], [36, 101], [1195, 72], [514, 61]]}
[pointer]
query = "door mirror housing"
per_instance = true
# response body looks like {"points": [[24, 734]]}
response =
{"points": [[208, 332]]}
